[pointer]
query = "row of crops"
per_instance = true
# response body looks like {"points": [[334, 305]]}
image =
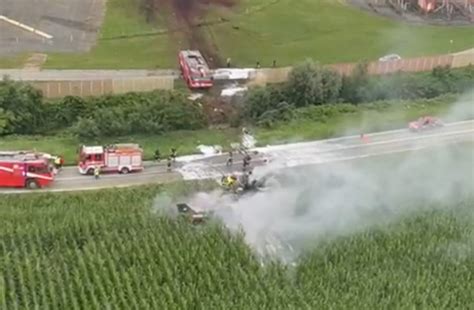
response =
{"points": [[112, 250]]}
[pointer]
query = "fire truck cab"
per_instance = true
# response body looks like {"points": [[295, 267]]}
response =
{"points": [[25, 169], [195, 69], [122, 158]]}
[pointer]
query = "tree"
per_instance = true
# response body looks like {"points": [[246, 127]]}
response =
{"points": [[259, 100], [25, 103], [305, 84], [5, 119], [353, 86], [332, 84]]}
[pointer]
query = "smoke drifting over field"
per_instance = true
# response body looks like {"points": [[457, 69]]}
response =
{"points": [[311, 204], [306, 205]]}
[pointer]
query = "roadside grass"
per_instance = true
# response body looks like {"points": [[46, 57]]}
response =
{"points": [[328, 31], [121, 43], [364, 118], [13, 62], [265, 30]]}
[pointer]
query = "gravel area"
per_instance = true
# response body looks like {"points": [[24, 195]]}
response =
{"points": [[74, 25]]}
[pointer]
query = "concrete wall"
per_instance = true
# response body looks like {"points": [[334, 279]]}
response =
{"points": [[56, 89]]}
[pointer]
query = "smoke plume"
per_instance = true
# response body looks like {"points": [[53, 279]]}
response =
{"points": [[306, 205]]}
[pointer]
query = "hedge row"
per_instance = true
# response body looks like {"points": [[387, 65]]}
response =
{"points": [[311, 84], [23, 110]]}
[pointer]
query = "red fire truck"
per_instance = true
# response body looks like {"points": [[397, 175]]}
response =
{"points": [[25, 169], [195, 69], [122, 158]]}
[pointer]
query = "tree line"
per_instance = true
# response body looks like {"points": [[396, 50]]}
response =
{"points": [[311, 84], [24, 110]]}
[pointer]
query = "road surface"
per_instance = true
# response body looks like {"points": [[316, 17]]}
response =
{"points": [[81, 75], [278, 156]]}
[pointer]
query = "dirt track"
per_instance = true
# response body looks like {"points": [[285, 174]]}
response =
{"points": [[188, 18]]}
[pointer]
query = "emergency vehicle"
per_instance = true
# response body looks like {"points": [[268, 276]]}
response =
{"points": [[25, 169], [195, 69], [122, 158]]}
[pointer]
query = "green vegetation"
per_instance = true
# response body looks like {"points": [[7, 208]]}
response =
{"points": [[264, 30], [315, 122], [12, 62], [309, 106], [121, 45], [310, 84], [114, 249], [326, 30]]}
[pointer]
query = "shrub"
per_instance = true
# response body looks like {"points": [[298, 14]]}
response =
{"points": [[309, 83], [150, 113], [22, 106]]}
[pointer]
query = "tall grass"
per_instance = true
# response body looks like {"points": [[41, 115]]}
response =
{"points": [[112, 250]]}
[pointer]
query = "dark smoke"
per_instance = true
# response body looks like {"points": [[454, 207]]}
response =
{"points": [[190, 16]]}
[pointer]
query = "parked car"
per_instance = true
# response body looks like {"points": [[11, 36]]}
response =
{"points": [[390, 57]]}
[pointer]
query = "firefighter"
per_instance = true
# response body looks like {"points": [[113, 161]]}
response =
{"points": [[231, 182], [230, 160], [246, 161], [57, 162], [96, 172], [244, 180], [157, 155], [168, 164], [173, 154]]}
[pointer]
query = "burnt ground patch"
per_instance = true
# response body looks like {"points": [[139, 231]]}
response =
{"points": [[74, 25], [189, 22]]}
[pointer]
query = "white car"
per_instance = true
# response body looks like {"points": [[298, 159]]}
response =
{"points": [[390, 57]]}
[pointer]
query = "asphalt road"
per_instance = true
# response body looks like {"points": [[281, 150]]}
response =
{"points": [[279, 156], [74, 25], [81, 75]]}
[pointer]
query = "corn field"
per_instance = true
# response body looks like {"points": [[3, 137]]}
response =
{"points": [[111, 250]]}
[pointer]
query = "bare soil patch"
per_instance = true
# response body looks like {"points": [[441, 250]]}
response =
{"points": [[189, 21]]}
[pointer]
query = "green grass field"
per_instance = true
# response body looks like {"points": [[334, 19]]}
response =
{"points": [[284, 30], [363, 118], [113, 249]]}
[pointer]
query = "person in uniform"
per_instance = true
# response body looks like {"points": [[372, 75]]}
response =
{"points": [[96, 172], [230, 160], [173, 154], [168, 164]]}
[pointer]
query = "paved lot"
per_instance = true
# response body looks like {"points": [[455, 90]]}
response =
{"points": [[74, 25]]}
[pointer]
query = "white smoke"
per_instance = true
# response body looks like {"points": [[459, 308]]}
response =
{"points": [[306, 205], [312, 204]]}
